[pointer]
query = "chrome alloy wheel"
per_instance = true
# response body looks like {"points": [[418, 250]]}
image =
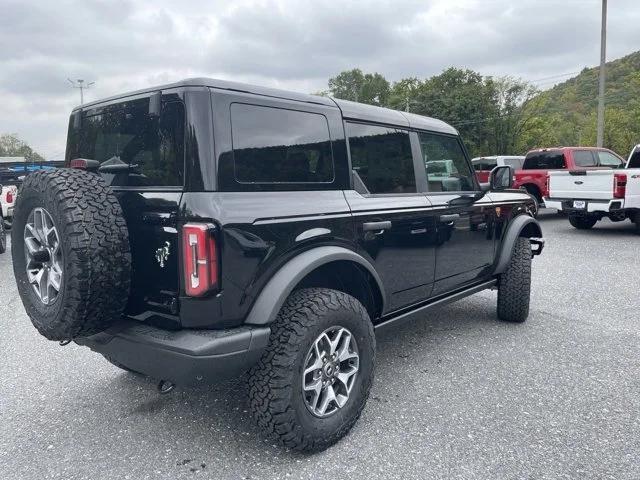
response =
{"points": [[43, 255], [330, 371]]}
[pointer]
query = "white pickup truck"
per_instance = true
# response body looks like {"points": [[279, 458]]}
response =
{"points": [[588, 196]]}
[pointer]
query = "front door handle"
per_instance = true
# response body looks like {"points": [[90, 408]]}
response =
{"points": [[449, 218], [376, 226]]}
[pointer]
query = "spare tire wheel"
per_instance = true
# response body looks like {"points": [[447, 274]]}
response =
{"points": [[71, 253]]}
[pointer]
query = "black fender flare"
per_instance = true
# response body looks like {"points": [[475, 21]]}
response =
{"points": [[273, 295], [514, 230]]}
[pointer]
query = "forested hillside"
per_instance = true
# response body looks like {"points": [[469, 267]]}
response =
{"points": [[503, 115], [567, 112]]}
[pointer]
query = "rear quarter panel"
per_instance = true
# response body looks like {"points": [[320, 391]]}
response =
{"points": [[258, 232]]}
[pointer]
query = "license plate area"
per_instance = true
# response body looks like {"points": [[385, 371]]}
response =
{"points": [[579, 204]]}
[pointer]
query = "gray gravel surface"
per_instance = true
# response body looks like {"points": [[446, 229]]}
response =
{"points": [[457, 395]]}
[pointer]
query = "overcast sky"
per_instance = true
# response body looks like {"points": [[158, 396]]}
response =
{"points": [[129, 44]]}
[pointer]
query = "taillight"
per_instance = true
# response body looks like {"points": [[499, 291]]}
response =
{"points": [[547, 182], [200, 254], [619, 185], [9, 196], [84, 164], [79, 163]]}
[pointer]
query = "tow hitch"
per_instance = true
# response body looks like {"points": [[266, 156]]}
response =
{"points": [[537, 244]]}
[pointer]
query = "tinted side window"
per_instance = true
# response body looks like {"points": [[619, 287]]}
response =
{"points": [[445, 162], [133, 137], [544, 161], [274, 145], [584, 158], [381, 157], [607, 159]]}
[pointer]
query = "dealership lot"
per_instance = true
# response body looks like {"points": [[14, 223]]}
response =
{"points": [[458, 395]]}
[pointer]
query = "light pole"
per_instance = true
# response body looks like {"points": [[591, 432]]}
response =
{"points": [[80, 85], [603, 55]]}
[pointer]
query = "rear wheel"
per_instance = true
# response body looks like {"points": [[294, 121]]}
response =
{"points": [[313, 380], [514, 291], [582, 222]]}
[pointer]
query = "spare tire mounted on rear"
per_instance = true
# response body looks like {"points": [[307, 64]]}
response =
{"points": [[71, 254]]}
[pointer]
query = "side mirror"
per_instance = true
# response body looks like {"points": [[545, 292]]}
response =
{"points": [[501, 178]]}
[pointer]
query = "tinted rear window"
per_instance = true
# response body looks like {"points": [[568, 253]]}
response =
{"points": [[544, 161], [275, 145], [131, 136]]}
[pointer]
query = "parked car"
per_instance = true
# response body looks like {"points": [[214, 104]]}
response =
{"points": [[537, 163], [10, 182], [589, 196], [484, 165], [233, 227]]}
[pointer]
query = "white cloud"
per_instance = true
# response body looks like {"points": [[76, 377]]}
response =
{"points": [[298, 44]]}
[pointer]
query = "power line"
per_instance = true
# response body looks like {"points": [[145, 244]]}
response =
{"points": [[80, 85], [553, 76]]}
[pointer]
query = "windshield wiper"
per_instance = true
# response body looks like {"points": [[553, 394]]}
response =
{"points": [[119, 168]]}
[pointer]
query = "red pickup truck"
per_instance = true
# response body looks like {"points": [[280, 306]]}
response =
{"points": [[533, 175]]}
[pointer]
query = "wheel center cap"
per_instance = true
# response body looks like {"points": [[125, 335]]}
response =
{"points": [[328, 370]]}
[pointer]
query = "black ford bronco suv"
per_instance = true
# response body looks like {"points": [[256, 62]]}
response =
{"points": [[206, 228]]}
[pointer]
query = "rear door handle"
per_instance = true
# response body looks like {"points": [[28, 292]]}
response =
{"points": [[376, 226], [449, 218]]}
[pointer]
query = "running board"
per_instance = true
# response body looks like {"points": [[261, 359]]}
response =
{"points": [[412, 314]]}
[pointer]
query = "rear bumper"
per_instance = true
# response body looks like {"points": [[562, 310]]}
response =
{"points": [[592, 206], [185, 357]]}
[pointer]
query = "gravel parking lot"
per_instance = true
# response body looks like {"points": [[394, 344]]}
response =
{"points": [[458, 395]]}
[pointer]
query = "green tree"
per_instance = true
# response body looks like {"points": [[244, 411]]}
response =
{"points": [[12, 146], [462, 98], [621, 129], [354, 85], [511, 120], [403, 94]]}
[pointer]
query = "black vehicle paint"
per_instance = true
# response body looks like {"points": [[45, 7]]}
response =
{"points": [[426, 247]]}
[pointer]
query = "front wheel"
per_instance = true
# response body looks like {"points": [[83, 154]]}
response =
{"points": [[514, 291], [582, 222], [313, 380]]}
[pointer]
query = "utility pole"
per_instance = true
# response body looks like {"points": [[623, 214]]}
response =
{"points": [[80, 85], [603, 55]]}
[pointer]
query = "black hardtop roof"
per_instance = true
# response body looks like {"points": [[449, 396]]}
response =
{"points": [[351, 110]]}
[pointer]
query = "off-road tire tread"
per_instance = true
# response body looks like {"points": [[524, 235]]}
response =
{"points": [[270, 380], [515, 284], [97, 272]]}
